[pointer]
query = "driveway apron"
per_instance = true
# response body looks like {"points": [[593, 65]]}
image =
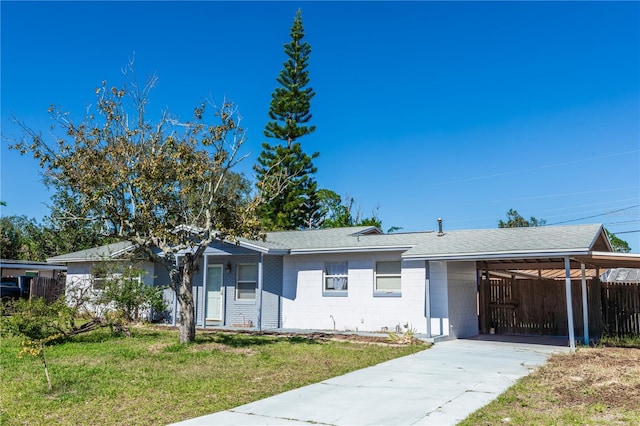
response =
{"points": [[439, 386]]}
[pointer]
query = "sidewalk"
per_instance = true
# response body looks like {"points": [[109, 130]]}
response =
{"points": [[438, 386]]}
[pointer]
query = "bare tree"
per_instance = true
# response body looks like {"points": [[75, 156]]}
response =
{"points": [[165, 185]]}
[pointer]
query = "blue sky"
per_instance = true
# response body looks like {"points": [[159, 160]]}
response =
{"points": [[423, 109]]}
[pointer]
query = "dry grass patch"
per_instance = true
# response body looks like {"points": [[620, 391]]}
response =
{"points": [[595, 386]]}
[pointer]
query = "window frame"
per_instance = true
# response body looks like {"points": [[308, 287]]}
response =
{"points": [[239, 281], [333, 292], [100, 275], [382, 292]]}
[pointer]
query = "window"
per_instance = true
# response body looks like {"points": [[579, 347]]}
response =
{"points": [[103, 276], [335, 277], [100, 276], [388, 277], [247, 279]]}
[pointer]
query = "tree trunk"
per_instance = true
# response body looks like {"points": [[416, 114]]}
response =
{"points": [[187, 319]]}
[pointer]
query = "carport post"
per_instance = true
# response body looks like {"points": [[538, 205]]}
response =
{"points": [[567, 271], [585, 305]]}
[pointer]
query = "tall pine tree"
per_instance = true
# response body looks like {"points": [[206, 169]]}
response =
{"points": [[284, 170]]}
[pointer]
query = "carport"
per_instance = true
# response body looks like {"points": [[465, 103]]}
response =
{"points": [[581, 266], [542, 255]]}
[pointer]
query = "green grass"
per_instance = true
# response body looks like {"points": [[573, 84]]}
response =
{"points": [[620, 341], [150, 379]]}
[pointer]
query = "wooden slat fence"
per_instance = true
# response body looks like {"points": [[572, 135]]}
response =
{"points": [[537, 307], [48, 288], [621, 308]]}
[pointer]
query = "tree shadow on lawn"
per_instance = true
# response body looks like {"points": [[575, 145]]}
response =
{"points": [[241, 340]]}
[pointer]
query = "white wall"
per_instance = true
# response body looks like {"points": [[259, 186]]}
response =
{"points": [[462, 289], [305, 307], [79, 281], [439, 296]]}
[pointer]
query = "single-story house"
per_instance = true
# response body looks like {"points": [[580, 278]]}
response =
{"points": [[14, 268], [360, 279]]}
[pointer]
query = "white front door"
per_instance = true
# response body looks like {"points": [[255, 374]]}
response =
{"points": [[214, 292]]}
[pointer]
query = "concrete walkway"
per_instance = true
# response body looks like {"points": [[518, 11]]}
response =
{"points": [[439, 386]]}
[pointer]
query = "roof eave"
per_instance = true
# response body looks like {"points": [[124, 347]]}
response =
{"points": [[262, 249], [333, 250], [40, 266], [501, 255]]}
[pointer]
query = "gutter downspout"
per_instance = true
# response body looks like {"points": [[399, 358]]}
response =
{"points": [[567, 271]]}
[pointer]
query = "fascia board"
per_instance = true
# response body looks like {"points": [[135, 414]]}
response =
{"points": [[117, 253], [499, 255], [261, 249], [348, 249], [84, 259], [614, 255], [49, 267]]}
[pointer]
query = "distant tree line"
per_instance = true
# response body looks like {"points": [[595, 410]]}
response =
{"points": [[515, 220]]}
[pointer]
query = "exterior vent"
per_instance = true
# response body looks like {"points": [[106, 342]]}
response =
{"points": [[440, 232]]}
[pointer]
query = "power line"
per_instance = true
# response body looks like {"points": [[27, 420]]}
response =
{"points": [[625, 232], [548, 166], [596, 215], [623, 222]]}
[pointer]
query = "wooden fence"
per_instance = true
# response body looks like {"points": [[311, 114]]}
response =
{"points": [[50, 289], [537, 307], [621, 308]]}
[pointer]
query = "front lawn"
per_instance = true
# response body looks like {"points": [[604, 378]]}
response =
{"points": [[150, 379], [594, 386]]}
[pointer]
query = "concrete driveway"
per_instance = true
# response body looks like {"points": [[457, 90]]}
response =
{"points": [[439, 386]]}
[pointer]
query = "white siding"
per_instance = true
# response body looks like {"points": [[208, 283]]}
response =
{"points": [[305, 307]]}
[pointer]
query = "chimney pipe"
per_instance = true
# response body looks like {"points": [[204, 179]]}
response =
{"points": [[440, 232]]}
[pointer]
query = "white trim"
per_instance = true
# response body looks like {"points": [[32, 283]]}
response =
{"points": [[206, 292], [585, 305], [367, 249], [532, 254], [381, 293], [236, 298], [614, 255], [567, 272]]}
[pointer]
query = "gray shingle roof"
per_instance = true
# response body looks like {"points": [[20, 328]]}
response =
{"points": [[545, 239], [109, 251], [474, 243], [575, 238]]}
